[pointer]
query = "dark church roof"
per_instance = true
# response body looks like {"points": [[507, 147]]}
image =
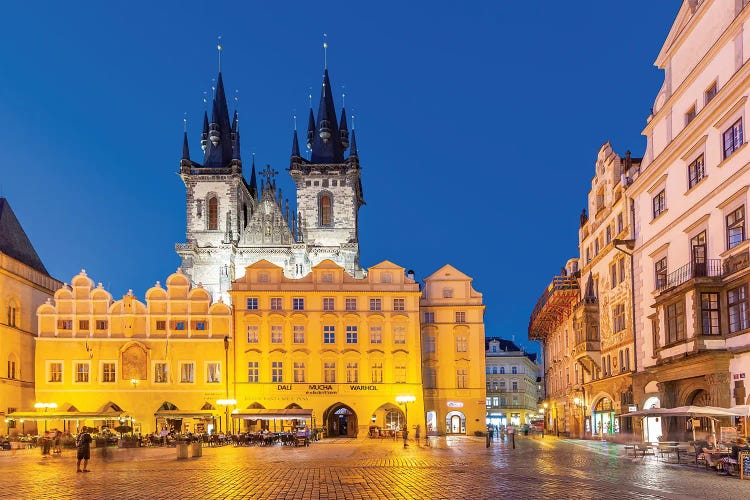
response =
{"points": [[13, 240]]}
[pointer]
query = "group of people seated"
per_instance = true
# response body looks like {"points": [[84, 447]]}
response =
{"points": [[727, 462]]}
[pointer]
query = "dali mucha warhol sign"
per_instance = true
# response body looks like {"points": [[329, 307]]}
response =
{"points": [[326, 388]]}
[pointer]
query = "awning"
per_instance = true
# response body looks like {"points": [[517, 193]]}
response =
{"points": [[66, 415], [266, 414], [204, 414]]}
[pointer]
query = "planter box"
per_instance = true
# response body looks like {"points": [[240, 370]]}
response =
{"points": [[127, 443]]}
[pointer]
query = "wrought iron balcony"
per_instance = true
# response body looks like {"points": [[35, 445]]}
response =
{"points": [[711, 268]]}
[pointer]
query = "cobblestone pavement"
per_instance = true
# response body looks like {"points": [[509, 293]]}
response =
{"points": [[363, 468]]}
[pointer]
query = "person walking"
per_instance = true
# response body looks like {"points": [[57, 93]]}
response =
{"points": [[83, 443], [417, 431]]}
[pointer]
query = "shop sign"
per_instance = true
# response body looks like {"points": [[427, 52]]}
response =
{"points": [[739, 376], [363, 387], [632, 408], [455, 404]]}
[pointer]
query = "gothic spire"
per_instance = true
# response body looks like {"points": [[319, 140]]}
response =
{"points": [[185, 149], [204, 135], [254, 181], [353, 146], [310, 129], [235, 137], [344, 129], [295, 145], [219, 147], [326, 146]]}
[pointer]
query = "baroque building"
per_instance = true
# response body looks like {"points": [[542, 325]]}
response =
{"points": [[690, 196], [513, 384], [24, 285], [584, 319]]}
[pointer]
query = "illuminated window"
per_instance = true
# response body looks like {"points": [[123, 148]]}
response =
{"points": [[299, 371], [299, 334], [213, 373], [277, 334], [252, 371], [329, 372], [187, 373], [252, 334], [160, 373], [108, 371], [277, 371], [352, 372]]}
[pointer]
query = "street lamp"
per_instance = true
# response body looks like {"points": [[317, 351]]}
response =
{"points": [[405, 400], [545, 405], [134, 381], [227, 403]]}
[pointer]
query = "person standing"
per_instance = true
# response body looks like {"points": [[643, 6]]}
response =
{"points": [[83, 443], [417, 431]]}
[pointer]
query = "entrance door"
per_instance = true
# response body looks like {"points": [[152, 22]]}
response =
{"points": [[699, 254], [455, 424]]}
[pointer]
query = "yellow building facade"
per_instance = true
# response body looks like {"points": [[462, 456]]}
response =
{"points": [[453, 349], [346, 348], [159, 364]]}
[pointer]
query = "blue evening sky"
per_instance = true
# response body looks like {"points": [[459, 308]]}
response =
{"points": [[478, 124]]}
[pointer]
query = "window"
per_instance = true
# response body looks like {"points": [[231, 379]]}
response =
{"points": [[299, 334], [277, 371], [82, 372], [252, 371], [179, 325], [711, 92], [376, 304], [696, 171], [675, 318], [83, 324], [11, 369], [608, 234], [690, 114], [447, 293], [596, 246], [621, 270], [350, 304], [429, 317], [655, 333], [736, 227], [329, 334], [326, 278], [252, 303], [514, 370], [460, 317], [200, 325], [298, 303], [502, 370], [161, 325], [710, 313], [262, 277], [277, 334], [430, 343], [213, 373], [376, 372], [659, 203], [618, 318], [660, 272], [613, 274], [213, 213], [386, 278], [461, 376], [461, 344], [299, 372], [399, 304], [351, 334], [328, 304], [739, 314], [329, 372], [352, 372], [187, 373], [252, 334], [620, 225], [12, 315], [108, 371], [376, 334], [399, 335], [160, 372], [326, 212], [514, 386], [101, 324], [276, 303], [733, 138], [430, 381], [55, 371], [65, 324], [400, 373]]}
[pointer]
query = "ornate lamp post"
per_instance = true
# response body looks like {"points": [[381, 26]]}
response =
{"points": [[226, 403], [405, 400]]}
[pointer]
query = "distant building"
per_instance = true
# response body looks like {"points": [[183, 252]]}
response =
{"points": [[513, 384], [24, 285]]}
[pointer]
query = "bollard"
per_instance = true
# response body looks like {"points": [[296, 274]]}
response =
{"points": [[513, 438], [182, 450], [488, 440]]}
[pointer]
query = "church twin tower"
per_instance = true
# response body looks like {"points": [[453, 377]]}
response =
{"points": [[233, 223]]}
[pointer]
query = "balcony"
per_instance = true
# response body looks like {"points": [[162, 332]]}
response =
{"points": [[711, 268], [554, 305]]}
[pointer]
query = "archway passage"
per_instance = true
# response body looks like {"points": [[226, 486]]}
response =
{"points": [[455, 423], [341, 421]]}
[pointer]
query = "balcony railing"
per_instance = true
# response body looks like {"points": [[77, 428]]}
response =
{"points": [[711, 268], [553, 305]]}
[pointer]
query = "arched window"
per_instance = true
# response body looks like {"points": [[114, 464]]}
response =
{"points": [[244, 215], [213, 213], [502, 370], [326, 210]]}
